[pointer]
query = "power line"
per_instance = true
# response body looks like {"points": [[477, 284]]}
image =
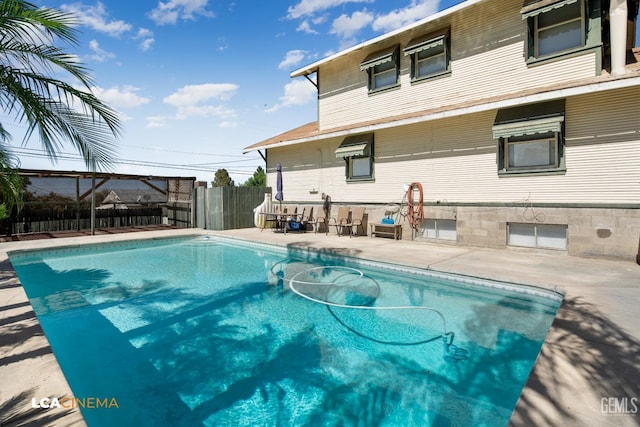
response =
{"points": [[32, 153], [165, 150], [188, 152]]}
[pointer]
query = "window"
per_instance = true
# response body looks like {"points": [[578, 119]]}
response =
{"points": [[383, 69], [441, 229], [383, 75], [550, 236], [555, 27], [429, 55], [531, 138], [357, 152], [531, 152]]}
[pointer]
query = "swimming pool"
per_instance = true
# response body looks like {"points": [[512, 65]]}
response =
{"points": [[193, 331]]}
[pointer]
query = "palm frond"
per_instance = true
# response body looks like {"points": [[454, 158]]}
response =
{"points": [[56, 111], [22, 20]]}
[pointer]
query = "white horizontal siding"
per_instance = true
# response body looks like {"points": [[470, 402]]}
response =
{"points": [[305, 170], [487, 61], [455, 160], [603, 146]]}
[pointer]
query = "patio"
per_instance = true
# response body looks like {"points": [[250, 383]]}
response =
{"points": [[591, 354]]}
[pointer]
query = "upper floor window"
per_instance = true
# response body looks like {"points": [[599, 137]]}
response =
{"points": [[555, 27], [383, 69], [430, 55], [357, 152], [531, 138]]}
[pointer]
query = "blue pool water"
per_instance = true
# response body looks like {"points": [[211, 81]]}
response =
{"points": [[199, 331]]}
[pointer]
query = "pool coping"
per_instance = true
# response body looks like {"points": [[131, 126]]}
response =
{"points": [[594, 330], [540, 291]]}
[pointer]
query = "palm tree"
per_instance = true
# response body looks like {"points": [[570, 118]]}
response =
{"points": [[56, 111], [11, 186]]}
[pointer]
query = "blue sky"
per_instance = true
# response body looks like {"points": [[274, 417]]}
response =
{"points": [[195, 81]]}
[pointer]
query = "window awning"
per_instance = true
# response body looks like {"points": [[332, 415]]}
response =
{"points": [[533, 8], [529, 119], [379, 57], [423, 43], [355, 146], [529, 127]]}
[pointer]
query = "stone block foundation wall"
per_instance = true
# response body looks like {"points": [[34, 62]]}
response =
{"points": [[610, 232]]}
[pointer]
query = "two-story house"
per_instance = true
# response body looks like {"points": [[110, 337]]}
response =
{"points": [[521, 123]]}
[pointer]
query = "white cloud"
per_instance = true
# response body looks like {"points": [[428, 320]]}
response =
{"points": [[347, 26], [96, 18], [187, 111], [198, 101], [311, 7], [306, 28], [155, 122], [146, 38], [194, 94], [400, 17], [319, 19], [169, 12], [99, 54], [291, 59], [305, 25], [125, 97], [298, 92], [195, 100]]}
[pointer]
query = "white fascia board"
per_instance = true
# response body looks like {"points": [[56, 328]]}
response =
{"points": [[311, 68], [507, 103]]}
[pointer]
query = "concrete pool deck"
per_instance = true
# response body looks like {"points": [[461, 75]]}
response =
{"points": [[587, 374]]}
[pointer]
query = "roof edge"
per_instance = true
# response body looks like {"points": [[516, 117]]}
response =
{"points": [[311, 68]]}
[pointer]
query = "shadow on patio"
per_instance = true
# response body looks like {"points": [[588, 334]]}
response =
{"points": [[23, 347], [584, 350]]}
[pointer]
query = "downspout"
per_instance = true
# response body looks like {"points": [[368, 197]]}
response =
{"points": [[618, 25]]}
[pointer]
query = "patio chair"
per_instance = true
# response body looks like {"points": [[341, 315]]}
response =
{"points": [[298, 222], [341, 220], [306, 217], [318, 218], [290, 210], [357, 218]]}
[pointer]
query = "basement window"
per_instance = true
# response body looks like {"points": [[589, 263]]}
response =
{"points": [[548, 236], [439, 229]]}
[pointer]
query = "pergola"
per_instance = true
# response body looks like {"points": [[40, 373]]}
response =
{"points": [[179, 188]]}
